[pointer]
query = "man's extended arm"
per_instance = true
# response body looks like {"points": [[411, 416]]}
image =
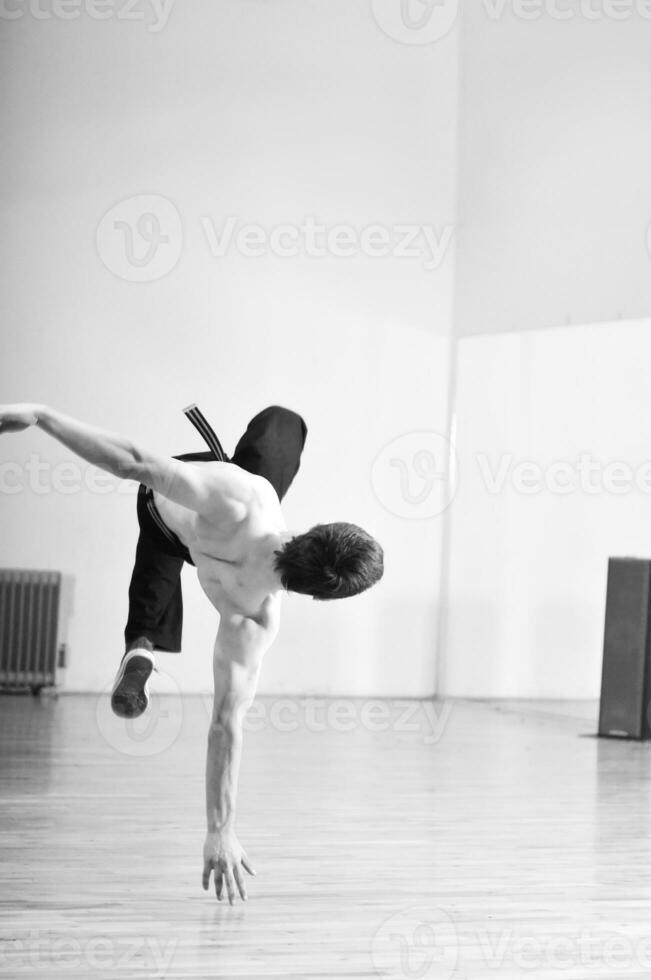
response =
{"points": [[240, 646], [181, 482]]}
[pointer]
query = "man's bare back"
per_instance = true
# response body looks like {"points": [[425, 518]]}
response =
{"points": [[229, 544]]}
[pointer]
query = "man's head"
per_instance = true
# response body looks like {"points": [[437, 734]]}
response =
{"points": [[330, 561]]}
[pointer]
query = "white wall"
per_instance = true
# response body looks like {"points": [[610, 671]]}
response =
{"points": [[267, 112], [554, 211], [530, 546], [554, 158]]}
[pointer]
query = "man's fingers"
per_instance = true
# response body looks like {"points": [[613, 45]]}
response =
{"points": [[246, 865], [239, 878], [228, 876], [205, 880], [230, 884]]}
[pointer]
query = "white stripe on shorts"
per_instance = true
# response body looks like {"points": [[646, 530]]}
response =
{"points": [[202, 425]]}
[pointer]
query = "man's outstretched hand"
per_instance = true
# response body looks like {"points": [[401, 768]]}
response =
{"points": [[15, 418], [225, 857]]}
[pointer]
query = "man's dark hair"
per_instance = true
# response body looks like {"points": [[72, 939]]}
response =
{"points": [[330, 561]]}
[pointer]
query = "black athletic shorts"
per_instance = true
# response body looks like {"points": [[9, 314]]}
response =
{"points": [[271, 447]]}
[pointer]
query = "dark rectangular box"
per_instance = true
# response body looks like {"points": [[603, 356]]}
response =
{"points": [[626, 676]]}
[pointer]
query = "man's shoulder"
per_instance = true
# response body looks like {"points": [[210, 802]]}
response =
{"points": [[221, 470], [245, 487]]}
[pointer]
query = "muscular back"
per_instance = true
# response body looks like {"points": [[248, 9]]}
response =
{"points": [[229, 542]]}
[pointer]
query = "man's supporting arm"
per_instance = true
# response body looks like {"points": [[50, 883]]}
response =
{"points": [[240, 646]]}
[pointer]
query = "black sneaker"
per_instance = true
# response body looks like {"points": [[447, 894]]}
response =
{"points": [[130, 695]]}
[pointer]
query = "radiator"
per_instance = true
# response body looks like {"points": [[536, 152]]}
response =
{"points": [[29, 628]]}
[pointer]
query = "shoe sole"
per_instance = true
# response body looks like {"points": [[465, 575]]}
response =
{"points": [[130, 694]]}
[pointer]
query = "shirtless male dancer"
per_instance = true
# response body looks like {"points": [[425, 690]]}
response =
{"points": [[224, 517]]}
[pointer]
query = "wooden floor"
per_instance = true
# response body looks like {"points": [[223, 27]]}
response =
{"points": [[484, 840]]}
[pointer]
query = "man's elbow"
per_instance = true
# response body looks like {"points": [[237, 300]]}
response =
{"points": [[145, 466]]}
